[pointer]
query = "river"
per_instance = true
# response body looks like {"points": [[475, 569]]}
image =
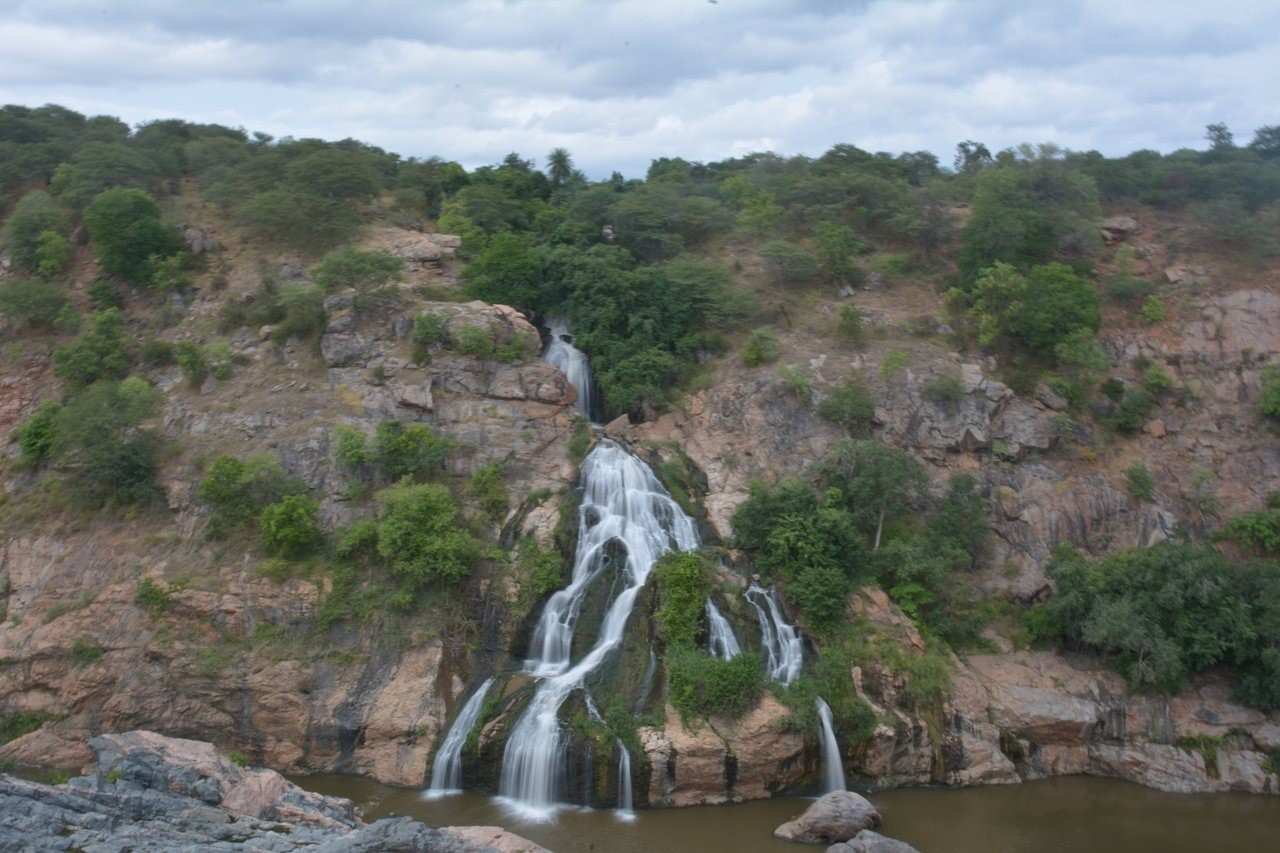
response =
{"points": [[1074, 814]]}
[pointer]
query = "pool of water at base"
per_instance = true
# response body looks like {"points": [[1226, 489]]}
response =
{"points": [[1065, 815]]}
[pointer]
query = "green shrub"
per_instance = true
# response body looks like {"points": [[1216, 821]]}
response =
{"points": [[789, 263], [850, 326], [579, 441], [221, 361], [487, 489], [19, 723], [851, 406], [191, 359], [893, 364], [298, 219], [945, 388], [420, 536], [35, 214], [761, 348], [358, 268], [796, 382], [1139, 481], [37, 434], [1129, 290], [104, 293], [1132, 410], [302, 313], [97, 440], [237, 490], [475, 341], [541, 570], [53, 254], [1152, 310], [408, 450], [1156, 380], [158, 353], [1259, 530], [32, 303], [683, 586], [351, 448], [152, 597], [701, 686], [429, 330], [837, 246], [1038, 310], [99, 352], [290, 527], [1269, 402], [85, 652]]}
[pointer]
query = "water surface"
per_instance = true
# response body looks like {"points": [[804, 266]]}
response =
{"points": [[1067, 815]]}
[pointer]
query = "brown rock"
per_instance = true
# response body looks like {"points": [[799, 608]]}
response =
{"points": [[495, 838], [837, 816]]}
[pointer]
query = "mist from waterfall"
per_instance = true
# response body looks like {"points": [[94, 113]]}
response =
{"points": [[721, 642], [571, 361], [626, 521], [783, 648], [832, 767], [446, 771]]}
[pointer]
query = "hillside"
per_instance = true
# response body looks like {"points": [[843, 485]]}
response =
{"points": [[284, 470]]}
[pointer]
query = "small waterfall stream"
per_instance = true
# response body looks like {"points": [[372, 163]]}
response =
{"points": [[783, 648], [446, 771], [625, 806], [721, 642], [832, 767], [572, 362]]}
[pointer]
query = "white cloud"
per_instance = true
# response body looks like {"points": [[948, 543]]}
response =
{"points": [[621, 82]]}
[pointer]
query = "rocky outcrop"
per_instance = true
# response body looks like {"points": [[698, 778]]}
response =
{"points": [[835, 816], [152, 793], [723, 761], [868, 841]]}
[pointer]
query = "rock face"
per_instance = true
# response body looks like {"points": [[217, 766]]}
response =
{"points": [[152, 793], [836, 816]]}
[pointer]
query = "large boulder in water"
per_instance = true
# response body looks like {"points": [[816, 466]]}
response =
{"points": [[872, 842], [837, 816]]}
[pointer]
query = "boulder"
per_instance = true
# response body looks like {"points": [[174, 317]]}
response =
{"points": [[872, 842], [837, 816], [1115, 228]]}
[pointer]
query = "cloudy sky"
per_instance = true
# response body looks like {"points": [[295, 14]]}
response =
{"points": [[619, 83]]}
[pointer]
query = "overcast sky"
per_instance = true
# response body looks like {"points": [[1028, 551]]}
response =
{"points": [[619, 83]]}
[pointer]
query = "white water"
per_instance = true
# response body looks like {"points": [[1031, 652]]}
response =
{"points": [[832, 768], [571, 361], [783, 648], [624, 782], [721, 641], [446, 771], [623, 507]]}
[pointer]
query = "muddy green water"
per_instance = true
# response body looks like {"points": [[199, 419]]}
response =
{"points": [[1067, 815]]}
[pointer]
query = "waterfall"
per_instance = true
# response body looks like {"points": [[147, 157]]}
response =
{"points": [[624, 782], [571, 361], [721, 642], [783, 648], [446, 772], [625, 523], [832, 768]]}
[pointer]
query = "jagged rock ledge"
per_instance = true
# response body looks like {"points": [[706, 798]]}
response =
{"points": [[151, 792]]}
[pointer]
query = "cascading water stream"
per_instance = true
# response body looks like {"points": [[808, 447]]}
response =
{"points": [[446, 771], [832, 767], [625, 810], [625, 523], [721, 642], [783, 648], [571, 361]]}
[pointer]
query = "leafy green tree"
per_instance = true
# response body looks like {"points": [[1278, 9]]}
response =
{"points": [[335, 174], [237, 489], [837, 247], [99, 166], [1139, 482], [128, 233], [420, 536], [683, 587], [297, 219], [761, 215], [789, 263], [408, 450], [1266, 141], [32, 303], [559, 167], [851, 406], [358, 268], [53, 254], [97, 440], [877, 483], [761, 348], [1039, 310], [37, 433], [290, 527], [99, 352], [508, 271], [35, 213]]}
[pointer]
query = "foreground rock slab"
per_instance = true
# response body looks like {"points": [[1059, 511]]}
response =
{"points": [[837, 816], [152, 793], [872, 842]]}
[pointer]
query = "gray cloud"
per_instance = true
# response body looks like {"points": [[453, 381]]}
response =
{"points": [[619, 83]]}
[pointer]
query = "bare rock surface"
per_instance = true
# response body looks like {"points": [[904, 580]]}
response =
{"points": [[153, 793], [835, 816], [868, 841]]}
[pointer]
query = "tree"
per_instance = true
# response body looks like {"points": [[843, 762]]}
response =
{"points": [[335, 174], [1220, 137], [35, 213], [1041, 310], [837, 246], [875, 482], [99, 352], [972, 157], [298, 219], [97, 439], [559, 167], [508, 271], [99, 166], [1266, 141], [789, 263], [290, 527], [420, 536], [128, 233], [33, 303]]}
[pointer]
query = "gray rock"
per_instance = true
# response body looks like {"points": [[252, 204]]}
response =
{"points": [[837, 816], [343, 348], [872, 842]]}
